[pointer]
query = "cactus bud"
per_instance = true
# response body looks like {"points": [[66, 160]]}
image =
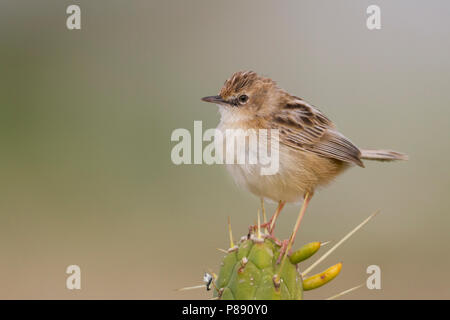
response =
{"points": [[304, 252], [322, 278]]}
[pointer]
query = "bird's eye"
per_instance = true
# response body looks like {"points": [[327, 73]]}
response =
{"points": [[243, 98]]}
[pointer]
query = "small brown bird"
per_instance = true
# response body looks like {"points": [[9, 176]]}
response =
{"points": [[311, 150]]}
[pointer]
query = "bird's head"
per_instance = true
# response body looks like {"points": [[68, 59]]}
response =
{"points": [[247, 94]]}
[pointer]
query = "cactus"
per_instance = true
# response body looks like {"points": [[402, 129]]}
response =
{"points": [[261, 267], [258, 269]]}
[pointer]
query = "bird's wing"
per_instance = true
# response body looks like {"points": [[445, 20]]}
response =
{"points": [[301, 126]]}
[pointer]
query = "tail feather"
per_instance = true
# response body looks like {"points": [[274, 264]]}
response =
{"points": [[383, 155]]}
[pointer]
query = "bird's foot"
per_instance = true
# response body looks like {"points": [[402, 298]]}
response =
{"points": [[284, 246], [254, 228]]}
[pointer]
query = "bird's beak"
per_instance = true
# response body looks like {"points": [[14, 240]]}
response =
{"points": [[214, 99]]}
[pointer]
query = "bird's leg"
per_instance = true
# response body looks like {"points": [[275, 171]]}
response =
{"points": [[270, 225], [284, 245], [275, 216], [285, 250], [306, 200]]}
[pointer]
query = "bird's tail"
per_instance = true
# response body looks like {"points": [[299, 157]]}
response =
{"points": [[382, 155]]}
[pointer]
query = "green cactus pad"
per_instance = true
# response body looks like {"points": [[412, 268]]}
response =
{"points": [[250, 272]]}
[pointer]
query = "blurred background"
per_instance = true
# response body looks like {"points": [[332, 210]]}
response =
{"points": [[86, 117]]}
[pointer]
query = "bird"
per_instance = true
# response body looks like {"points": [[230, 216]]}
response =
{"points": [[312, 152]]}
